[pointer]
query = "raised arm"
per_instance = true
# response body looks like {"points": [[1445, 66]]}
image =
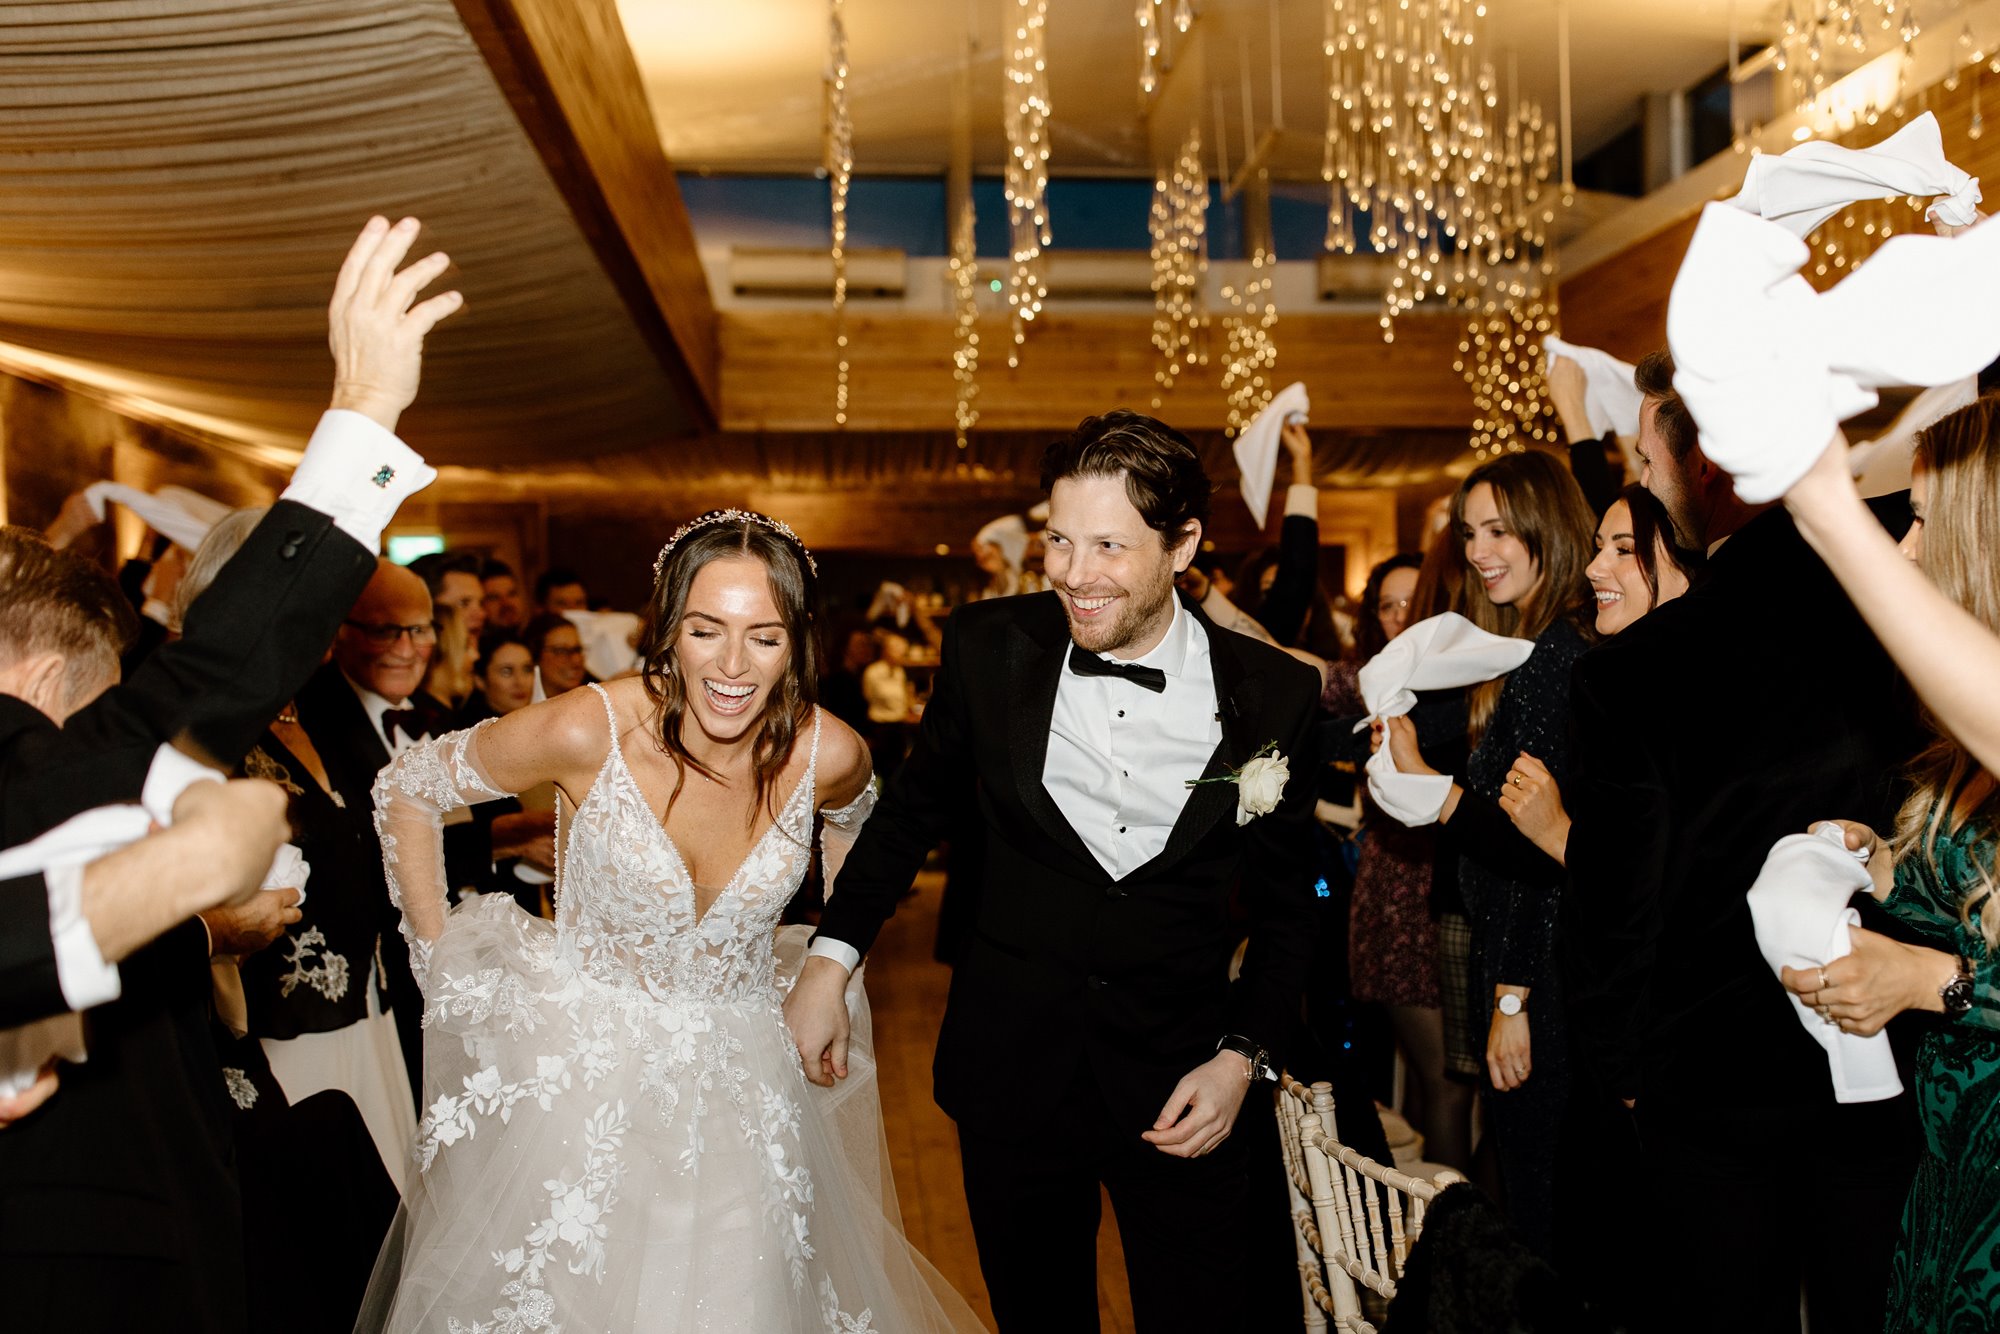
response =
{"points": [[1949, 657]]}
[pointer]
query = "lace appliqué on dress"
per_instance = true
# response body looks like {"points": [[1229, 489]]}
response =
{"points": [[328, 976]]}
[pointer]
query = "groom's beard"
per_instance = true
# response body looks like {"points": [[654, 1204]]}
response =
{"points": [[1139, 614]]}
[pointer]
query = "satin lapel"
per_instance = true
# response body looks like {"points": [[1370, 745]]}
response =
{"points": [[1238, 700], [1034, 666]]}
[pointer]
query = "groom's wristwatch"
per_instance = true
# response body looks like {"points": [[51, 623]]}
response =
{"points": [[1260, 1060]]}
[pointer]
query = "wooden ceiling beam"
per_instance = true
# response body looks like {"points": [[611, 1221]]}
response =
{"points": [[568, 73]]}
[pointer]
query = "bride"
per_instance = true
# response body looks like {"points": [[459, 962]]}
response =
{"points": [[618, 1134]]}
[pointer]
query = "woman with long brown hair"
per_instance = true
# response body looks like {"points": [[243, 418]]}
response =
{"points": [[1527, 536], [1936, 874], [617, 1131]]}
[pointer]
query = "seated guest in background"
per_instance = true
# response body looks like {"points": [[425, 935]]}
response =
{"points": [[1637, 568], [359, 711], [998, 549], [450, 679], [504, 677], [1526, 530], [558, 650], [453, 579], [559, 590], [841, 692], [1392, 944], [1936, 876], [120, 1207], [501, 595], [1738, 713]]}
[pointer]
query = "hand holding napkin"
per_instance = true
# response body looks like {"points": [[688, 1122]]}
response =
{"points": [[1801, 915], [1804, 186], [1610, 397], [1440, 653], [1256, 447]]}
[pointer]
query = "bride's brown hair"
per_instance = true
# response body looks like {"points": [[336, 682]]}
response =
{"points": [[791, 705]]}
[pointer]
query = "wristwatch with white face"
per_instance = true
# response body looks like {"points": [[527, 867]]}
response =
{"points": [[1510, 1005]]}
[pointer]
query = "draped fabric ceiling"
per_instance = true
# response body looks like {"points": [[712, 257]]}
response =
{"points": [[180, 179]]}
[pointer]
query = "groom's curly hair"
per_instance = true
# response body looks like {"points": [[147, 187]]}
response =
{"points": [[1163, 475]]}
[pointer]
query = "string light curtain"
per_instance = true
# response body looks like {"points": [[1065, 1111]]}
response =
{"points": [[1153, 16], [1179, 226], [839, 136], [965, 320], [1428, 165], [1250, 370], [1824, 40], [1027, 113]]}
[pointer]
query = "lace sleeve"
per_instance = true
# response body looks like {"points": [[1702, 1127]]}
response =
{"points": [[411, 798], [837, 835]]}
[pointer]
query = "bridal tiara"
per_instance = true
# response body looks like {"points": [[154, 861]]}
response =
{"points": [[714, 517]]}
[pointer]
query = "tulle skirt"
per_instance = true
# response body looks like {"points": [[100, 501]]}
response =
{"points": [[597, 1159]]}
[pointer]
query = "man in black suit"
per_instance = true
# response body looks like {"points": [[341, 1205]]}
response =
{"points": [[1093, 1033], [362, 709], [1734, 715], [118, 1209]]}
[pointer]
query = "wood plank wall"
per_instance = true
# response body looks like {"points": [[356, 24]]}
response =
{"points": [[777, 372]]}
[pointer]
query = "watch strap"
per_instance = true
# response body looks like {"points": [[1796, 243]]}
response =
{"points": [[1260, 1060]]}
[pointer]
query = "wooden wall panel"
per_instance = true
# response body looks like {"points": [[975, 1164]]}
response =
{"points": [[777, 372]]}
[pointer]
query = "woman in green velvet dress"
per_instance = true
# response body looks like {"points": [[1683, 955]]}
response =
{"points": [[1937, 876]]}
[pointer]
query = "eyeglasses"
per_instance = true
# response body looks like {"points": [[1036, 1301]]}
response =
{"points": [[384, 636]]}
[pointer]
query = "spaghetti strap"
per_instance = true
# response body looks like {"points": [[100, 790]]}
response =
{"points": [[610, 713]]}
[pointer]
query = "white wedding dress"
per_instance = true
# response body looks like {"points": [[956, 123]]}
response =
{"points": [[617, 1133]]}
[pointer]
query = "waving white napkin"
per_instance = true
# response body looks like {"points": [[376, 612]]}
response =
{"points": [[1769, 367], [1799, 909], [607, 641], [1435, 654], [1610, 398], [1802, 188], [176, 513], [1256, 447], [1882, 466]]}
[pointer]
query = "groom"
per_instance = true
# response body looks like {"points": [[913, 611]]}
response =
{"points": [[1093, 1034]]}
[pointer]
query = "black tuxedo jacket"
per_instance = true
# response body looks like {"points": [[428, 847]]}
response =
{"points": [[1069, 967], [129, 1162], [1745, 710]]}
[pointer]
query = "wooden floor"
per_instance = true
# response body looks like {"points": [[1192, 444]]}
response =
{"points": [[906, 988]]}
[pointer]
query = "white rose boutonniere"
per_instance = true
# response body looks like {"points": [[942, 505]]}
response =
{"points": [[1260, 783]]}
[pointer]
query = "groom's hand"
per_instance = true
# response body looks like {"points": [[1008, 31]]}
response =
{"points": [[1202, 1110], [816, 1012]]}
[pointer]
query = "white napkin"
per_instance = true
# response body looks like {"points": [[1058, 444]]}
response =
{"points": [[1769, 367], [181, 516], [1009, 532], [1802, 188], [1610, 397], [1435, 654], [1882, 466], [1799, 909], [289, 870], [607, 641], [1256, 447]]}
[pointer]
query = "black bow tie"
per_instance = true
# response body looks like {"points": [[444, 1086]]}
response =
{"points": [[411, 721], [1089, 664]]}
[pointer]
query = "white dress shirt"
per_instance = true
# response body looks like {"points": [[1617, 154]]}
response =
{"points": [[356, 473], [1120, 755], [375, 706]]}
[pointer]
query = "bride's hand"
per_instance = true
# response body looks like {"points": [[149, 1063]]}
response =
{"points": [[816, 1013]]}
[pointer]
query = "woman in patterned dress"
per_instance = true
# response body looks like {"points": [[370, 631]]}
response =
{"points": [[1936, 874], [618, 1134]]}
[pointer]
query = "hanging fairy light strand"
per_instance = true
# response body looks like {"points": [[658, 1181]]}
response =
{"points": [[965, 320], [1027, 183], [1179, 227], [1153, 16], [1250, 368], [839, 145]]}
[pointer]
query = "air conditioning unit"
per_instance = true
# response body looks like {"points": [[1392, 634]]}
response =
{"points": [[1098, 275], [785, 272]]}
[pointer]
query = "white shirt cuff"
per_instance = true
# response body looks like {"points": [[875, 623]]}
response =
{"points": [[171, 774], [357, 474], [1303, 501], [839, 951], [86, 978]]}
